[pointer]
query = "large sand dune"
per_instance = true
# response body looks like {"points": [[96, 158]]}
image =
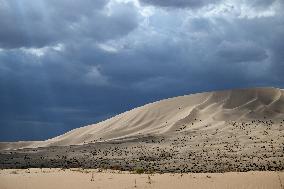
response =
{"points": [[203, 111], [233, 130]]}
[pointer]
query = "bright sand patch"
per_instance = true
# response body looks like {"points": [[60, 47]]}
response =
{"points": [[78, 178]]}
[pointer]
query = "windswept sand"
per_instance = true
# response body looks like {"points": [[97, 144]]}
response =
{"points": [[223, 131], [77, 178], [203, 111]]}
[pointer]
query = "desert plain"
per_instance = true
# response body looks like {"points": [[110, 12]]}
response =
{"points": [[108, 179]]}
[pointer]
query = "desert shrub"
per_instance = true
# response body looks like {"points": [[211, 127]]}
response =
{"points": [[151, 171], [14, 172], [139, 170], [100, 170], [116, 167]]}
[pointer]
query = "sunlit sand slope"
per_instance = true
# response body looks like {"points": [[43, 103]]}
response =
{"points": [[203, 111]]}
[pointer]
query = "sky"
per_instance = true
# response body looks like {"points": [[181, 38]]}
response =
{"points": [[69, 63]]}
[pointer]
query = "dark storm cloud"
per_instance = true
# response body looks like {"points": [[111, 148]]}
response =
{"points": [[37, 23], [240, 52], [180, 3], [46, 88], [261, 3], [65, 64]]}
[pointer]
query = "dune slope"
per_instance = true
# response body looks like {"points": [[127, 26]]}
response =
{"points": [[203, 111], [234, 130]]}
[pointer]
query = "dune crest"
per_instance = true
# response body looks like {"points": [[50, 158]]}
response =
{"points": [[167, 117]]}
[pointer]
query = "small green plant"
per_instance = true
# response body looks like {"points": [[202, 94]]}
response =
{"points": [[139, 171]]}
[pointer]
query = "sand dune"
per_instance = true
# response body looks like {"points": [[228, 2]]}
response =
{"points": [[213, 109], [223, 131]]}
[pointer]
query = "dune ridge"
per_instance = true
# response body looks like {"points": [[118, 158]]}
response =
{"points": [[190, 112], [223, 131]]}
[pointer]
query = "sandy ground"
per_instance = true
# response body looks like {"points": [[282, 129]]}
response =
{"points": [[78, 178]]}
